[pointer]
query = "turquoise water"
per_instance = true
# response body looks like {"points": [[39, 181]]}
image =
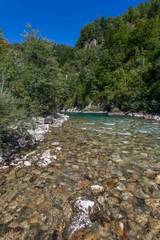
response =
{"points": [[138, 137]]}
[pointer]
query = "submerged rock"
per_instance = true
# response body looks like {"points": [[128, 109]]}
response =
{"points": [[96, 189], [27, 163], [81, 221], [55, 144], [158, 179]]}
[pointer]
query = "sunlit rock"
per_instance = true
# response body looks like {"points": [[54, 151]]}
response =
{"points": [[55, 144], [27, 163], [158, 179], [46, 154], [81, 221], [96, 189]]}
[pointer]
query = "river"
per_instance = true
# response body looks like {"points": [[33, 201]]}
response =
{"points": [[112, 161]]}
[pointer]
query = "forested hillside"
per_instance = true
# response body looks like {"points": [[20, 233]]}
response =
{"points": [[116, 62]]}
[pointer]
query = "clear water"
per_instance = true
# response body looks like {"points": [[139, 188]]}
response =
{"points": [[122, 154]]}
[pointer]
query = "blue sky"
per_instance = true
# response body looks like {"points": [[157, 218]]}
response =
{"points": [[57, 20]]}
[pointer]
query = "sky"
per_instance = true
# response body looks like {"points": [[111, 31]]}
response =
{"points": [[60, 20]]}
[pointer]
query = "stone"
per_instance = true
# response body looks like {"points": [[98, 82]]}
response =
{"points": [[81, 222], [96, 189], [85, 206], [154, 204], [158, 179], [29, 154], [127, 207], [112, 201], [58, 148], [4, 167], [27, 163], [44, 163], [120, 186], [55, 144], [150, 173], [142, 219], [48, 120], [101, 200], [46, 154], [140, 194], [1, 159], [127, 196]]}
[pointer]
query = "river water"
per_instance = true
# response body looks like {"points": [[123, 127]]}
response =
{"points": [[119, 155]]}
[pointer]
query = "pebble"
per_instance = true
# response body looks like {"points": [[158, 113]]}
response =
{"points": [[158, 179], [27, 163], [58, 149], [55, 144], [101, 200], [120, 186], [96, 189]]}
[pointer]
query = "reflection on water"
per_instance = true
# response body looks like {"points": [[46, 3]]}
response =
{"points": [[119, 153]]}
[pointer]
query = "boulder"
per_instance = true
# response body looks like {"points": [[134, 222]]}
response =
{"points": [[81, 221]]}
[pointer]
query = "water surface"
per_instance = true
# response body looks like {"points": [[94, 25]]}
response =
{"points": [[119, 153]]}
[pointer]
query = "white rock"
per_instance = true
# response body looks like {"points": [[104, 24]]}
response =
{"points": [[84, 205], [55, 144], [121, 226], [58, 148], [27, 163], [81, 220], [46, 154], [96, 189], [28, 154], [4, 167], [44, 163], [18, 167], [54, 157]]}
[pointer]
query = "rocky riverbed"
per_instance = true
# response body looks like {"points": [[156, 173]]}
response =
{"points": [[87, 180]]}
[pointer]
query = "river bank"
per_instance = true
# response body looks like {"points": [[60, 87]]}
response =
{"points": [[36, 134]]}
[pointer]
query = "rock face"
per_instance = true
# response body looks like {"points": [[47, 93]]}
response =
{"points": [[81, 221]]}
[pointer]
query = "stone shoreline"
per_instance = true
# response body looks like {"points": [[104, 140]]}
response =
{"points": [[42, 126]]}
